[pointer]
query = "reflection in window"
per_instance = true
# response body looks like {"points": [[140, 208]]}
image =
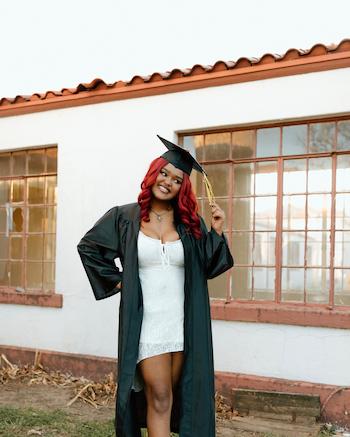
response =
{"points": [[322, 137], [268, 142], [243, 144], [286, 215], [294, 176], [28, 219], [294, 140], [343, 140], [217, 146]]}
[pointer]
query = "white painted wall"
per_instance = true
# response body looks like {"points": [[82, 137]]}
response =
{"points": [[103, 153]]}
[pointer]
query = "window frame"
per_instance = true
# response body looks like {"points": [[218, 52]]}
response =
{"points": [[276, 311], [8, 294]]}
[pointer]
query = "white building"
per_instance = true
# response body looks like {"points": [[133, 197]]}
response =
{"points": [[274, 135]]}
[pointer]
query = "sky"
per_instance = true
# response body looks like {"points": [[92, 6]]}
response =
{"points": [[50, 44]]}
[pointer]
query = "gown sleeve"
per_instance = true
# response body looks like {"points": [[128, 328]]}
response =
{"points": [[98, 249], [217, 255]]}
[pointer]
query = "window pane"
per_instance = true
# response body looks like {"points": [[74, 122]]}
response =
{"points": [[4, 273], [50, 247], [317, 285], [52, 189], [16, 247], [223, 203], [17, 190], [294, 140], [319, 211], [243, 212], [36, 161], [342, 249], [242, 247], [294, 212], [266, 177], [217, 287], [264, 248], [322, 136], [4, 247], [242, 283], [4, 192], [265, 213], [293, 285], [218, 175], [342, 211], [343, 173], [36, 190], [5, 165], [19, 163], [34, 274], [51, 156], [320, 175], [294, 176], [343, 140], [243, 179], [16, 274], [17, 219], [293, 248], [264, 283], [195, 145], [342, 287], [49, 276], [50, 226], [268, 142], [3, 220], [36, 219], [243, 144], [318, 249], [217, 146], [34, 250]]}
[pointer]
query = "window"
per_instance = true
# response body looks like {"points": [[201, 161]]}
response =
{"points": [[286, 194], [28, 181]]}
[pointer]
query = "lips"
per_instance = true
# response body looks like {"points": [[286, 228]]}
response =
{"points": [[163, 189]]}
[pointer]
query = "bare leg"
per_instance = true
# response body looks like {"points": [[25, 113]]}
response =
{"points": [[177, 359], [157, 375]]}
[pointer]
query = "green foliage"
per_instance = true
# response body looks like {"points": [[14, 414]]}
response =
{"points": [[18, 422]]}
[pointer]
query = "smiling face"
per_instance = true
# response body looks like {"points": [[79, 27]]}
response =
{"points": [[168, 183]]}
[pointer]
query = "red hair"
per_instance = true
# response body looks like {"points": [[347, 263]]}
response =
{"points": [[185, 203]]}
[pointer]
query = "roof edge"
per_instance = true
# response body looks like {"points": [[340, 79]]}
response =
{"points": [[318, 58]]}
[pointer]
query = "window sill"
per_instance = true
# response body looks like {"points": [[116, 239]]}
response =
{"points": [[260, 312], [35, 299]]}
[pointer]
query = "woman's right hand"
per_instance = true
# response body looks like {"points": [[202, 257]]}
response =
{"points": [[119, 285]]}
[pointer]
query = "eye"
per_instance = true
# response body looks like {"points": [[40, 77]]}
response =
{"points": [[162, 172]]}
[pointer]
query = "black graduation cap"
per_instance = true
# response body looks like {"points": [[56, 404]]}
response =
{"points": [[182, 159]]}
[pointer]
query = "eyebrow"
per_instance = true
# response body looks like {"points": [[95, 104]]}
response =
{"points": [[177, 177]]}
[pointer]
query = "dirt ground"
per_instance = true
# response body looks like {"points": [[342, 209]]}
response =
{"points": [[47, 397]]}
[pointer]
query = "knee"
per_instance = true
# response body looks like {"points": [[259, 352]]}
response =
{"points": [[160, 399]]}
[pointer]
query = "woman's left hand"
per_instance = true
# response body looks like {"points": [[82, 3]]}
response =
{"points": [[218, 218]]}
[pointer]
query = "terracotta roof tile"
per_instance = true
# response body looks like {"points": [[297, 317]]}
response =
{"points": [[97, 84]]}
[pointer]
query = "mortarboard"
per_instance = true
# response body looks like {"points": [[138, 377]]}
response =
{"points": [[182, 159]]}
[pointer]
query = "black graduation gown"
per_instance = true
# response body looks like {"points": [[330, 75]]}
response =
{"points": [[115, 236]]}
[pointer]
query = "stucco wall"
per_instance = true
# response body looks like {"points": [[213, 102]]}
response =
{"points": [[103, 153]]}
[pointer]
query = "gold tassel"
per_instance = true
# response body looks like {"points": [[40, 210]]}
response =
{"points": [[209, 190]]}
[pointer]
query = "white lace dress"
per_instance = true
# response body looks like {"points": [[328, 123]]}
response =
{"points": [[161, 272]]}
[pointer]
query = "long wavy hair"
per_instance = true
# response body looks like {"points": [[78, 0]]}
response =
{"points": [[185, 203]]}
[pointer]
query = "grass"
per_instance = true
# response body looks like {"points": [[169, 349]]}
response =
{"points": [[18, 422], [15, 422]]}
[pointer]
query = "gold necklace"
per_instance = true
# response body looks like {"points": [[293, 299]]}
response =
{"points": [[160, 216]]}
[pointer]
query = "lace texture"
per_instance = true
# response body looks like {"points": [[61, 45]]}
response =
{"points": [[147, 350]]}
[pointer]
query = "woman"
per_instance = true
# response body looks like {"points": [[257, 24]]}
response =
{"points": [[165, 357]]}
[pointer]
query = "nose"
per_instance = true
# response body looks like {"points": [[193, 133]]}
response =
{"points": [[167, 180]]}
